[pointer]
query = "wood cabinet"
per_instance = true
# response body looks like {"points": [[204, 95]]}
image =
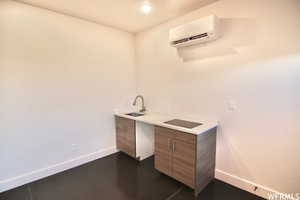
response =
{"points": [[187, 158], [183, 162], [134, 138], [125, 136], [163, 152]]}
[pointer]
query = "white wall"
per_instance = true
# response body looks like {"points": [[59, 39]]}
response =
{"points": [[60, 80], [254, 67]]}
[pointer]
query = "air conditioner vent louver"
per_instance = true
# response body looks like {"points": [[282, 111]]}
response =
{"points": [[190, 38], [199, 36], [181, 41]]}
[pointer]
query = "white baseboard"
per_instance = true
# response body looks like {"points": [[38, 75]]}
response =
{"points": [[54, 169], [244, 184], [17, 181]]}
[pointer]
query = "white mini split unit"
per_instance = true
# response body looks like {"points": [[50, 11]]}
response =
{"points": [[200, 31]]}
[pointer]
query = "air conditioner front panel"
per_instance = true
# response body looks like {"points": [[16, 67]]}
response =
{"points": [[198, 31]]}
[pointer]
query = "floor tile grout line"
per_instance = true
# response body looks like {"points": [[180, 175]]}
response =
{"points": [[30, 192], [175, 193]]}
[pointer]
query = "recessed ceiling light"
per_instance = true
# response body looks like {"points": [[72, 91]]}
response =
{"points": [[146, 8]]}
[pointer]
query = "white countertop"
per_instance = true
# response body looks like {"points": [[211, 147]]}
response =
{"points": [[159, 119]]}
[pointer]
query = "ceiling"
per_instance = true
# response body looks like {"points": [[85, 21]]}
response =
{"points": [[121, 14]]}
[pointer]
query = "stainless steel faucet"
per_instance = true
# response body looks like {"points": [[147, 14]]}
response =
{"points": [[143, 103]]}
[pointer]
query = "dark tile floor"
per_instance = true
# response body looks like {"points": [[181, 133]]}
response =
{"points": [[118, 177]]}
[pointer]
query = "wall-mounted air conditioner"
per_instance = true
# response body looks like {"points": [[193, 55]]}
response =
{"points": [[199, 31]]}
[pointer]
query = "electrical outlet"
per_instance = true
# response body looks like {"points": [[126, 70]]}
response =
{"points": [[231, 105], [75, 147]]}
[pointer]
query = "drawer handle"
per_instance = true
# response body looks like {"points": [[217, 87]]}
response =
{"points": [[174, 146]]}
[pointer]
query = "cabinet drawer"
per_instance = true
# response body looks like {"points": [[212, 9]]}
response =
{"points": [[178, 135]]}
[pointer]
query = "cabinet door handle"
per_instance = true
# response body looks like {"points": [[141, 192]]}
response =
{"points": [[169, 143], [173, 146]]}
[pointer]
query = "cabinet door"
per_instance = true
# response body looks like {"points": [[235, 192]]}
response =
{"points": [[125, 138], [163, 151], [183, 162]]}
